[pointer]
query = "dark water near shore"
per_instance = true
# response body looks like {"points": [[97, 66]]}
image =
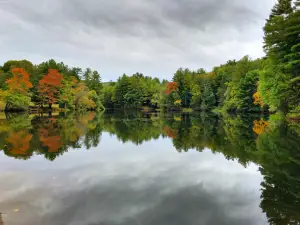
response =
{"points": [[136, 168]]}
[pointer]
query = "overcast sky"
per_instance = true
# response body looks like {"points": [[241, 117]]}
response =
{"points": [[125, 36]]}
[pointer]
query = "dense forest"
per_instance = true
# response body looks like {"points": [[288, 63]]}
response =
{"points": [[23, 84], [268, 84]]}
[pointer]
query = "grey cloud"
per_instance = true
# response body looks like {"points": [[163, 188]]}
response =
{"points": [[134, 17], [113, 205], [133, 35]]}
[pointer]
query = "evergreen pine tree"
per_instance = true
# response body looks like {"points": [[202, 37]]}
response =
{"points": [[283, 7], [282, 38]]}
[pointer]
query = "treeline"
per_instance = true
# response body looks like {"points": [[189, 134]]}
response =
{"points": [[23, 84], [232, 87], [270, 84]]}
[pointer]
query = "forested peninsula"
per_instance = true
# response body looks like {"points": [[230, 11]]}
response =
{"points": [[268, 84]]}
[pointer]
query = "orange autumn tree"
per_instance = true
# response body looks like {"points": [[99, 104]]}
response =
{"points": [[172, 86], [49, 87], [172, 99], [19, 82], [18, 86]]}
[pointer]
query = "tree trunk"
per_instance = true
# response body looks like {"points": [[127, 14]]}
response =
{"points": [[50, 106]]}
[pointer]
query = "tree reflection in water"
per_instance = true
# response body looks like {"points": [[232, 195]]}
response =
{"points": [[272, 143]]}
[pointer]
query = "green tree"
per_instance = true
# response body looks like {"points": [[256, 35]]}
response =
{"points": [[92, 80], [25, 64], [184, 77], [282, 38], [208, 100], [109, 96], [247, 88], [274, 88]]}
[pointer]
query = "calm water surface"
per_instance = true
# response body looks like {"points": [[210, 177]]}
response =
{"points": [[135, 168]]}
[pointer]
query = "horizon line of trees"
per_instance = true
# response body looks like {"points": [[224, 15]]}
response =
{"points": [[271, 83]]}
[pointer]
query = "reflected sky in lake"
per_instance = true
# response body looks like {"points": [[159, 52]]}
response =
{"points": [[119, 183]]}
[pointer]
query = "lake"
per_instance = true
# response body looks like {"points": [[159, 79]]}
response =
{"points": [[149, 168]]}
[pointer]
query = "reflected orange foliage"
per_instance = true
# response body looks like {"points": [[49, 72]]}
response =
{"points": [[53, 143], [48, 135], [20, 142], [20, 81], [85, 119], [172, 86], [52, 120], [91, 116], [176, 118], [177, 102], [258, 99], [259, 126], [170, 132], [74, 136]]}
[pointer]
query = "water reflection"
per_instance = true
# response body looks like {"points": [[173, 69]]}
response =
{"points": [[137, 187], [21, 136]]}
